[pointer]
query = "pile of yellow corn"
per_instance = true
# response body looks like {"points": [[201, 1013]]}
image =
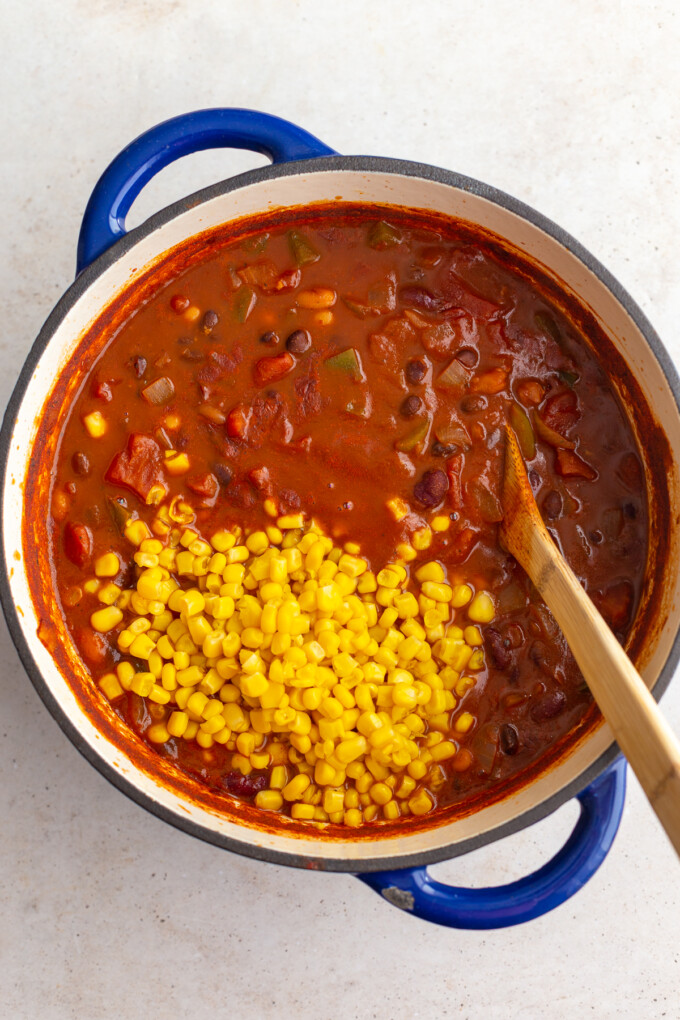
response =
{"points": [[342, 685]]}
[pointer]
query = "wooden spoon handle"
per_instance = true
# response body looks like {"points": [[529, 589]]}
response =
{"points": [[641, 732]]}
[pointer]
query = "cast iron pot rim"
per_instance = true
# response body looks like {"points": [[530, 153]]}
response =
{"points": [[320, 164]]}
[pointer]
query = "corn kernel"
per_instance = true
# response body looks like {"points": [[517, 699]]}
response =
{"points": [[158, 733], [481, 609], [96, 424], [111, 686], [104, 620], [269, 800], [440, 523], [296, 787], [464, 722]]}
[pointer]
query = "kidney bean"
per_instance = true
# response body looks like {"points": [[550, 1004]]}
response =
{"points": [[244, 786], [468, 356], [222, 472], [415, 371], [192, 354], [534, 480], [410, 406], [440, 450], [514, 635], [509, 739], [271, 338], [551, 705], [552, 505], [299, 341], [538, 653], [420, 297], [179, 303], [431, 488], [80, 463], [498, 651], [210, 320], [139, 365], [473, 403]]}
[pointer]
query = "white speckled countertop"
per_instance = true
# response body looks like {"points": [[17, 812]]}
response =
{"points": [[571, 105]]}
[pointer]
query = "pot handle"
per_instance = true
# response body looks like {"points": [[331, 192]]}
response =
{"points": [[120, 184], [412, 889]]}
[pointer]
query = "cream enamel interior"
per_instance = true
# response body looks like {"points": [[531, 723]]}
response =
{"points": [[300, 189]]}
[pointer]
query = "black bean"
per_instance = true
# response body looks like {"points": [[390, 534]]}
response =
{"points": [[415, 371], [299, 341], [552, 505], [473, 403], [467, 356], [534, 480], [210, 320], [222, 472], [596, 537], [80, 463], [431, 488], [509, 739], [269, 338], [550, 705], [139, 365], [440, 450], [498, 652], [410, 406]]}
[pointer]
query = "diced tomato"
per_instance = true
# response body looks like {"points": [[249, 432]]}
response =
{"points": [[384, 351], [238, 420], [530, 392], [616, 603], [260, 480], [303, 444], [570, 465], [92, 645], [78, 544], [494, 380], [454, 469], [630, 472], [102, 390], [561, 411], [289, 279], [265, 275], [138, 467], [463, 543], [269, 370], [205, 486]]}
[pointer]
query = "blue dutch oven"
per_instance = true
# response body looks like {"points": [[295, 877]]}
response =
{"points": [[110, 260]]}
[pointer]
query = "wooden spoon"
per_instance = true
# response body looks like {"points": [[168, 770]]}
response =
{"points": [[640, 730]]}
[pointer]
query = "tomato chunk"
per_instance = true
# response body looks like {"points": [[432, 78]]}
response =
{"points": [[138, 467], [570, 465], [454, 469], [78, 544], [238, 420], [269, 370]]}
